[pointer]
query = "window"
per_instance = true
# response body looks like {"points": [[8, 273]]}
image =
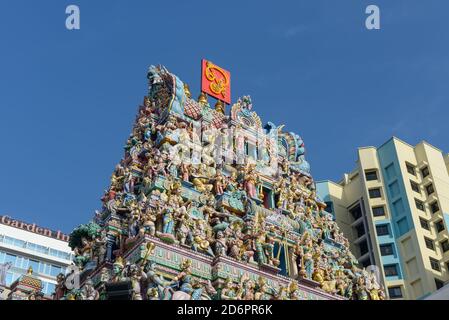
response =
{"points": [[391, 270], [31, 246], [386, 249], [424, 224], [411, 169], [65, 255], [435, 264], [371, 175], [382, 230], [19, 243], [329, 207], [429, 243], [439, 225], [434, 207], [395, 292], [365, 263], [9, 278], [430, 189], [445, 245], [425, 172], [420, 205], [19, 262], [439, 284], [360, 230], [356, 212], [363, 247], [55, 270], [379, 211], [375, 193], [8, 240], [50, 288], [34, 264], [10, 258], [415, 186]]}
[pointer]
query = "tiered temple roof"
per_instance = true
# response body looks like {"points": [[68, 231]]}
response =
{"points": [[206, 205]]}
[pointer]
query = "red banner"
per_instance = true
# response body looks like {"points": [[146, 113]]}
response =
{"points": [[215, 81]]}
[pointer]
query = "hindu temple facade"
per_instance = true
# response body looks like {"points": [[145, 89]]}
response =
{"points": [[209, 205]]}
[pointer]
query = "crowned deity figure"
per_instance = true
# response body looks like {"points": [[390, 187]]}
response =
{"points": [[118, 270], [183, 279], [264, 247], [251, 179], [168, 221]]}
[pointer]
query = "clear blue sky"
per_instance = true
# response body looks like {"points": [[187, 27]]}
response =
{"points": [[68, 98]]}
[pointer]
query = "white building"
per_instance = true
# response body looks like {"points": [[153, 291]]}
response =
{"points": [[27, 245]]}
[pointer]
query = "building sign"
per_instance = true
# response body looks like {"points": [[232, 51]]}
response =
{"points": [[8, 221], [215, 81]]}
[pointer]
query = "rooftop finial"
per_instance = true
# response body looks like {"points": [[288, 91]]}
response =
{"points": [[220, 107], [202, 99]]}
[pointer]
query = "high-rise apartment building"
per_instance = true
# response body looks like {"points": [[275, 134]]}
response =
{"points": [[394, 208]]}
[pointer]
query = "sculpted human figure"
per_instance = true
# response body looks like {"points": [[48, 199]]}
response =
{"points": [[137, 275], [221, 247], [183, 231], [281, 190], [373, 286], [200, 238], [128, 181], [293, 290], [168, 221], [246, 288], [360, 288], [157, 285], [185, 171], [264, 247], [152, 294], [99, 247], [201, 178], [228, 292], [219, 183], [307, 257], [84, 253], [251, 179], [262, 292], [148, 222], [88, 292], [235, 245], [231, 182], [184, 278], [340, 284], [60, 288], [118, 268]]}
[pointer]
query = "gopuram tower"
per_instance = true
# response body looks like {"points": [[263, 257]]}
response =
{"points": [[209, 203]]}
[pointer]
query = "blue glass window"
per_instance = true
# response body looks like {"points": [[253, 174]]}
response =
{"points": [[55, 270]]}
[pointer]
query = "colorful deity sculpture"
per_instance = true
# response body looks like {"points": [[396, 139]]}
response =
{"points": [[251, 179]]}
